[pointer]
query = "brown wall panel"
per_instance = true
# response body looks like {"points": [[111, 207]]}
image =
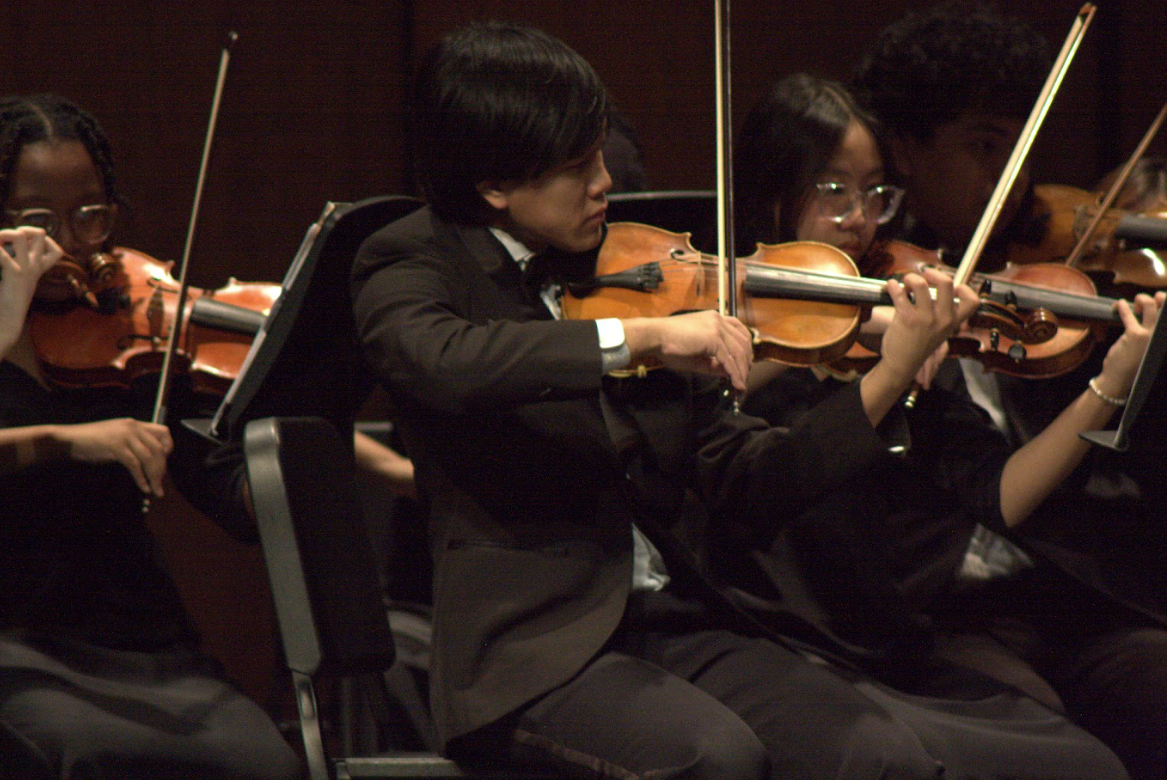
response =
{"points": [[313, 103], [309, 113], [657, 59]]}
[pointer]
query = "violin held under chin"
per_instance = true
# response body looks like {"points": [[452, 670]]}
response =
{"points": [[1125, 252], [107, 321]]}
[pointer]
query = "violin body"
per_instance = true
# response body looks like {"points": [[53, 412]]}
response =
{"points": [[1111, 262], [793, 325], [643, 271], [1055, 210], [82, 346]]}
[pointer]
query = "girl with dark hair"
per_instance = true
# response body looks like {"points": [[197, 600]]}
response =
{"points": [[965, 578], [808, 167], [41, 118], [99, 672]]}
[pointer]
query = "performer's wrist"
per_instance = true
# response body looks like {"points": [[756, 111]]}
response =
{"points": [[614, 351], [1103, 395]]}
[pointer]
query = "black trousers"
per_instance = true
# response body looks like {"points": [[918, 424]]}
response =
{"points": [[71, 710], [718, 705], [1065, 645]]}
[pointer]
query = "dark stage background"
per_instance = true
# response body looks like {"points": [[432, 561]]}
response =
{"points": [[312, 111]]}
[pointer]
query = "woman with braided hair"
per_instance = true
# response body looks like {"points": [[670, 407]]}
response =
{"points": [[99, 672]]}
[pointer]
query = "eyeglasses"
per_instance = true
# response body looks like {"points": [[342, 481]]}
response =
{"points": [[838, 201], [91, 224]]}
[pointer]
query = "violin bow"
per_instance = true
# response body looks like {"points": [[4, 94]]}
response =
{"points": [[992, 212], [1112, 193], [727, 279], [980, 237], [726, 257], [164, 382]]}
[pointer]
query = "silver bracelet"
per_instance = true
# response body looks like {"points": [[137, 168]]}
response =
{"points": [[1092, 384]]}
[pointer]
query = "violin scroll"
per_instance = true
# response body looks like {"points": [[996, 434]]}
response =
{"points": [[73, 280]]}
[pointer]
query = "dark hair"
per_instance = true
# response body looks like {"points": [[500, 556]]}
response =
{"points": [[497, 102], [785, 142], [929, 68], [29, 120]]}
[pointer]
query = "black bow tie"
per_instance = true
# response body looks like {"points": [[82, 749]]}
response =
{"points": [[535, 274]]}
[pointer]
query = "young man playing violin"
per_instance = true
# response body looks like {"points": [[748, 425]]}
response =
{"points": [[575, 622], [1073, 612]]}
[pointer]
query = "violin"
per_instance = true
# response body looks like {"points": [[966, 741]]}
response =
{"points": [[124, 336], [1114, 257], [804, 301], [1144, 192], [1045, 317], [644, 271], [70, 279]]}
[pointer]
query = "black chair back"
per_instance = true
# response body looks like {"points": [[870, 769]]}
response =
{"points": [[323, 574], [330, 610], [678, 211]]}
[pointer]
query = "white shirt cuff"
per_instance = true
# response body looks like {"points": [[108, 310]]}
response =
{"points": [[613, 348]]}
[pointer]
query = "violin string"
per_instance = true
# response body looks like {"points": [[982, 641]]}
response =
{"points": [[1051, 296]]}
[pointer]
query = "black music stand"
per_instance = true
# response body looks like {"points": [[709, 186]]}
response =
{"points": [[1119, 439], [305, 359]]}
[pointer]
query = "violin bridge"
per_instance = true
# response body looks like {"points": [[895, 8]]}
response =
{"points": [[156, 316]]}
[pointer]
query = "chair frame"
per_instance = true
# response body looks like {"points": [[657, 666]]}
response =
{"points": [[329, 621]]}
